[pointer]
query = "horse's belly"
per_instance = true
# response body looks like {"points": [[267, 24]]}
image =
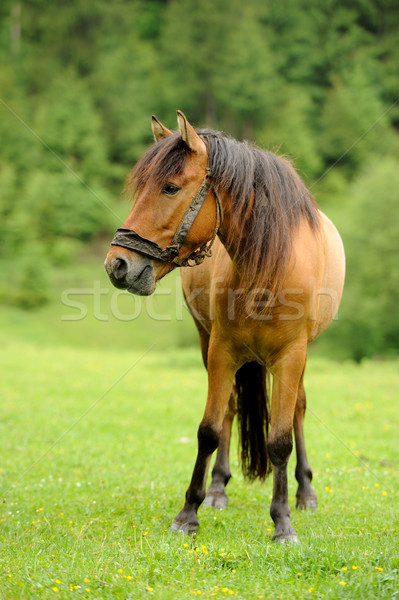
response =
{"points": [[205, 290]]}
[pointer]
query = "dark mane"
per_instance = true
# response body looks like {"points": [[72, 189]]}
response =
{"points": [[268, 196]]}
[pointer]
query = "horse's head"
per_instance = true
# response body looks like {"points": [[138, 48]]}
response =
{"points": [[175, 214]]}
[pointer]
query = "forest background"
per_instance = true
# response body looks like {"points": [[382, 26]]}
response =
{"points": [[79, 81]]}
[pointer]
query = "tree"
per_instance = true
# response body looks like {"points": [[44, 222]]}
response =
{"points": [[353, 124], [369, 319]]}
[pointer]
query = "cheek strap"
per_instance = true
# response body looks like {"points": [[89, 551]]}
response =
{"points": [[127, 238]]}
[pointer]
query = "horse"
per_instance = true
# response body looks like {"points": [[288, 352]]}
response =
{"points": [[267, 279]]}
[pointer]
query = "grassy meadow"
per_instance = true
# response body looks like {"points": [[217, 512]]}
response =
{"points": [[97, 444]]}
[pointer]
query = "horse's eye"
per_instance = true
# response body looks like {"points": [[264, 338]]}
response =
{"points": [[170, 189]]}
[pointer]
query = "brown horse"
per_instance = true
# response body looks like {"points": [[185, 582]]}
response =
{"points": [[273, 285]]}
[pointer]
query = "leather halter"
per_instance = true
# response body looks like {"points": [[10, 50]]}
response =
{"points": [[127, 238]]}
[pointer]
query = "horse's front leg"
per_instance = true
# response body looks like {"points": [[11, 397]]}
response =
{"points": [[286, 377], [306, 497], [216, 495], [220, 382]]}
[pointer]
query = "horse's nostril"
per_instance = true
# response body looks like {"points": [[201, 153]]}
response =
{"points": [[119, 268]]}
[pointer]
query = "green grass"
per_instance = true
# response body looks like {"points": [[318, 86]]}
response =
{"points": [[97, 448], [111, 318]]}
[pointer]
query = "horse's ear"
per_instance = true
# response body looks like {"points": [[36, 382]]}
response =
{"points": [[189, 135], [159, 131]]}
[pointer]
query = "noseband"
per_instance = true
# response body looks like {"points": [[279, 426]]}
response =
{"points": [[127, 238]]}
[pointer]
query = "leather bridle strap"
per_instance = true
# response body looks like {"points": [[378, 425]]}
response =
{"points": [[190, 214], [127, 238]]}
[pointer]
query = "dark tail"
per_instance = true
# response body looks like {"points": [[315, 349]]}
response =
{"points": [[253, 419]]}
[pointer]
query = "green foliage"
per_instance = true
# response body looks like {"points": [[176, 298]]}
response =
{"points": [[247, 88], [69, 125], [291, 133], [63, 207], [8, 199], [31, 282], [193, 44], [125, 89], [369, 319], [353, 125], [18, 143]]}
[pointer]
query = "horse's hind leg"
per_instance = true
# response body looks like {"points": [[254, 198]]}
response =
{"points": [[221, 373], [216, 494], [306, 497]]}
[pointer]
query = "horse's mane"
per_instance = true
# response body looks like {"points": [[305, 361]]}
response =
{"points": [[268, 196]]}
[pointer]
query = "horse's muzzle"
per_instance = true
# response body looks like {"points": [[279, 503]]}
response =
{"points": [[131, 271]]}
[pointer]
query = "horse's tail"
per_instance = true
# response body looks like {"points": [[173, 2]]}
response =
{"points": [[253, 419]]}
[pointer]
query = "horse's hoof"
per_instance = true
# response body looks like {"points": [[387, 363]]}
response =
{"points": [[285, 535], [306, 502], [217, 500], [288, 539], [186, 528]]}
